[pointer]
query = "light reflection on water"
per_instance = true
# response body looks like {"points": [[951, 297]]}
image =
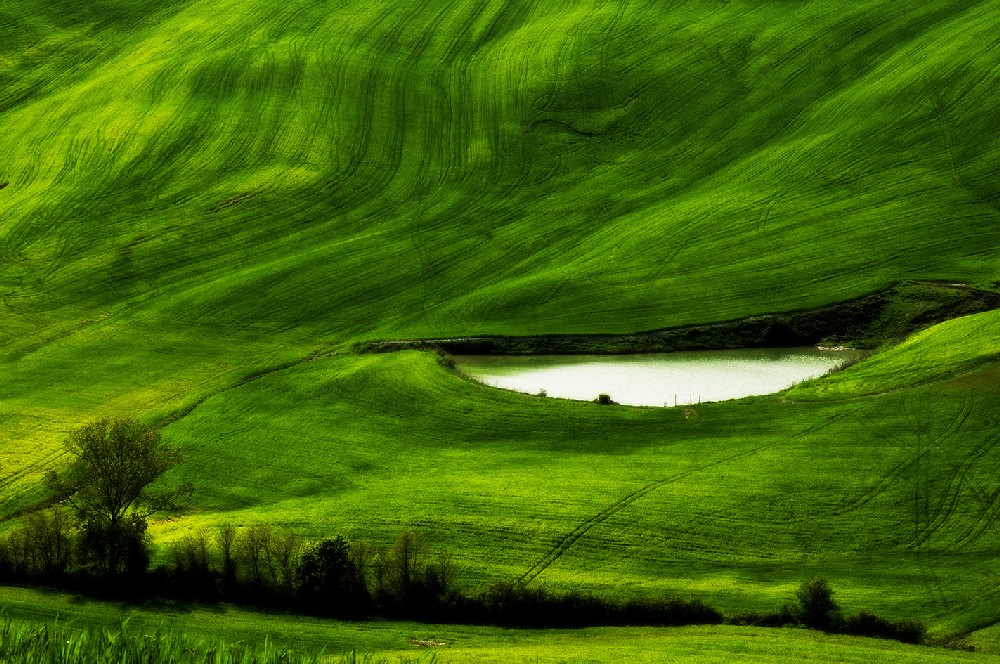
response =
{"points": [[665, 379]]}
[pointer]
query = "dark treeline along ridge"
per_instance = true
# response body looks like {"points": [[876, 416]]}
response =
{"points": [[886, 315], [264, 567]]}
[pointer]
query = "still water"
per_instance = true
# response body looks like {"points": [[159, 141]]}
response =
{"points": [[666, 379]]}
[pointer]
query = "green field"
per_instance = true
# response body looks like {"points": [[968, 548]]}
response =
{"points": [[199, 629], [205, 204]]}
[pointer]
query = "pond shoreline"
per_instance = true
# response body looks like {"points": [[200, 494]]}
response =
{"points": [[684, 378], [864, 322]]}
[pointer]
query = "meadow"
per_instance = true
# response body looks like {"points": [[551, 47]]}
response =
{"points": [[36, 625], [205, 205]]}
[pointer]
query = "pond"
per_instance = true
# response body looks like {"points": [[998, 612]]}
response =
{"points": [[663, 379]]}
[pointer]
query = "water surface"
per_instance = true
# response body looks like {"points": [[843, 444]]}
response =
{"points": [[663, 379]]}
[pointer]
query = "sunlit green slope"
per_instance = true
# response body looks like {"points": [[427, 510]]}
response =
{"points": [[894, 497], [967, 348], [201, 200], [883, 481], [418, 169]]}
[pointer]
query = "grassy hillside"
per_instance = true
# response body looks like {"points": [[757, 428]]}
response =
{"points": [[205, 203], [231, 631], [187, 200], [476, 167], [891, 497], [965, 347]]}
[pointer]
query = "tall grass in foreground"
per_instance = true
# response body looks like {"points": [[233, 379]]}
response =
{"points": [[55, 643]]}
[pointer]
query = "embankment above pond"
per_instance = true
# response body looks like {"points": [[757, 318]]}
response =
{"points": [[867, 321]]}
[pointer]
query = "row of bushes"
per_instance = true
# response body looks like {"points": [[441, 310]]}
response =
{"points": [[353, 579], [817, 609], [263, 566], [256, 564]]}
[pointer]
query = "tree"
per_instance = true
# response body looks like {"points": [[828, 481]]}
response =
{"points": [[114, 464], [41, 545], [225, 537], [329, 579], [409, 579], [405, 563], [817, 608]]}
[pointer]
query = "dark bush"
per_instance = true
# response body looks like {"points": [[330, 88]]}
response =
{"points": [[42, 546], [408, 580], [251, 546], [225, 539], [513, 605], [869, 624], [329, 581], [193, 574], [817, 608], [786, 616], [118, 552]]}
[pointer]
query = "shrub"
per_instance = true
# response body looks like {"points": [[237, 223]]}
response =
{"points": [[329, 581], [517, 606], [786, 616], [252, 545], [817, 608], [41, 546], [194, 574], [118, 552], [225, 539], [869, 624], [409, 580]]}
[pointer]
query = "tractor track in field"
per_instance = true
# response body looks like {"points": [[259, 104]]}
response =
{"points": [[13, 478], [989, 502], [902, 467], [187, 410], [957, 484], [568, 540], [928, 521], [988, 516], [953, 492], [581, 529]]}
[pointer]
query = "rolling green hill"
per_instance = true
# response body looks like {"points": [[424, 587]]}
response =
{"points": [[205, 203], [476, 167]]}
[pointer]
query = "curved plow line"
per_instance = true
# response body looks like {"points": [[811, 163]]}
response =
{"points": [[988, 516], [8, 481], [886, 479], [989, 512], [571, 538], [954, 491], [183, 412], [946, 507], [574, 535], [897, 471]]}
